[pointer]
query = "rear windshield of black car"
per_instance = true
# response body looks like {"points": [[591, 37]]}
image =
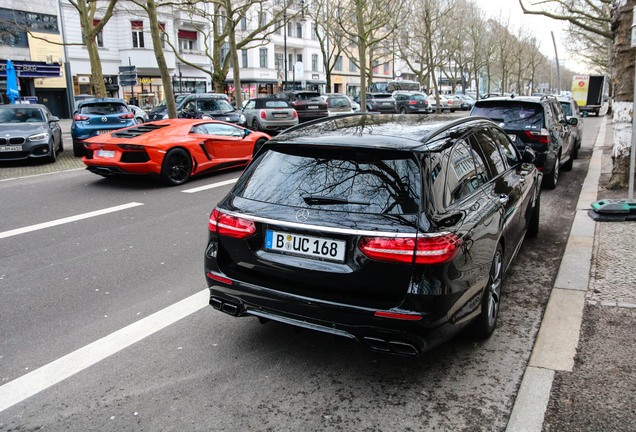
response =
{"points": [[514, 115], [307, 96], [103, 108], [359, 181]]}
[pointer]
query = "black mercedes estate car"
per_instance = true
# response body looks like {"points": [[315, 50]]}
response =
{"points": [[395, 231]]}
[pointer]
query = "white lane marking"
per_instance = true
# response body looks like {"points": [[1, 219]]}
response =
{"points": [[42, 174], [48, 375], [210, 186], [69, 219]]}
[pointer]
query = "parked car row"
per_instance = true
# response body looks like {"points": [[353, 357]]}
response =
{"points": [[540, 123]]}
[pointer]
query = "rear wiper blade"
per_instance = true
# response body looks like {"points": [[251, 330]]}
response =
{"points": [[317, 200]]}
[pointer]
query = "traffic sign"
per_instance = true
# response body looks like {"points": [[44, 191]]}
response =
{"points": [[127, 75]]}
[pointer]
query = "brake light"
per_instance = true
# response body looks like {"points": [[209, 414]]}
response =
{"points": [[450, 102], [230, 226], [79, 117], [295, 114], [412, 102], [127, 116], [542, 137], [263, 114], [423, 250]]}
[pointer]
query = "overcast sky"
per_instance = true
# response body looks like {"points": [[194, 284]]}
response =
{"points": [[537, 25]]}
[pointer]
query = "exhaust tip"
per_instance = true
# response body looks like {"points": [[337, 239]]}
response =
{"points": [[394, 347], [216, 303], [229, 308]]}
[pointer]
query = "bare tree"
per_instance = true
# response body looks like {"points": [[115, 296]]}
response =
{"points": [[365, 25], [92, 25], [326, 32], [151, 8]]}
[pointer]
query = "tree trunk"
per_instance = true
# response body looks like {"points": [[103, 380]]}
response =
{"points": [[624, 92], [151, 6], [362, 54]]}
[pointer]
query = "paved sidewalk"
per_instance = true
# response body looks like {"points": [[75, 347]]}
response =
{"points": [[581, 374]]}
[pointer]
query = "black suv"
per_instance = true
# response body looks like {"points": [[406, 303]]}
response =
{"points": [[308, 104], [536, 122], [411, 102], [392, 230]]}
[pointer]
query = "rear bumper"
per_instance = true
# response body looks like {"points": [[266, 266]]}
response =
{"points": [[397, 336]]}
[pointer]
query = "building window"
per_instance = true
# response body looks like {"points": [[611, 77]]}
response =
{"points": [[299, 30], [137, 28], [162, 34], [244, 58], [352, 66], [263, 57], [99, 39], [243, 23], [278, 30], [299, 58], [337, 65], [314, 62], [314, 31], [278, 62], [290, 62], [289, 29], [386, 68], [225, 50], [376, 66], [187, 40]]}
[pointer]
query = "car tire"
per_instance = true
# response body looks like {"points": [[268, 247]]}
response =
{"points": [[78, 149], [52, 158], [402, 110], [551, 181], [533, 226], [176, 167], [255, 125], [575, 151], [257, 146], [568, 165], [485, 324], [61, 147], [139, 120]]}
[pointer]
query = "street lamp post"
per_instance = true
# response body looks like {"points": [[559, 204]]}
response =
{"points": [[285, 46]]}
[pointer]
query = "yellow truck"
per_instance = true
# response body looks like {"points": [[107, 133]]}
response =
{"points": [[588, 91]]}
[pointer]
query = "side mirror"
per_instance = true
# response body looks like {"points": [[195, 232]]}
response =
{"points": [[528, 156], [246, 132], [54, 119], [573, 121]]}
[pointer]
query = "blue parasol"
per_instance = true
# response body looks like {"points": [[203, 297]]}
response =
{"points": [[12, 82]]}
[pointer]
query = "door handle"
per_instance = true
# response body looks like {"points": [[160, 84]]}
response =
{"points": [[503, 199]]}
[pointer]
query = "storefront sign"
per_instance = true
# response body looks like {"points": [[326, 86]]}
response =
{"points": [[29, 69]]}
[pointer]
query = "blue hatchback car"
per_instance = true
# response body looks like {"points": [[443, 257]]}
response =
{"points": [[97, 116]]}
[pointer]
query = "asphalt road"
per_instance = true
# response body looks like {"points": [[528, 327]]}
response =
{"points": [[103, 319]]}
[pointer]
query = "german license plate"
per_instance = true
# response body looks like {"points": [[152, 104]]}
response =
{"points": [[512, 137], [100, 132], [298, 244], [312, 107], [280, 115], [106, 153], [10, 148]]}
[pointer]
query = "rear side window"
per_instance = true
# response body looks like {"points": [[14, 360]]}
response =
{"points": [[567, 108], [463, 176], [338, 102], [514, 115], [361, 181], [104, 108], [489, 148]]}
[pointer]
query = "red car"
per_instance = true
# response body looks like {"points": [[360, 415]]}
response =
{"points": [[172, 149]]}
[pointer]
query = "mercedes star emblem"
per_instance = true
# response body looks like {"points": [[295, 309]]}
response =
{"points": [[302, 215]]}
